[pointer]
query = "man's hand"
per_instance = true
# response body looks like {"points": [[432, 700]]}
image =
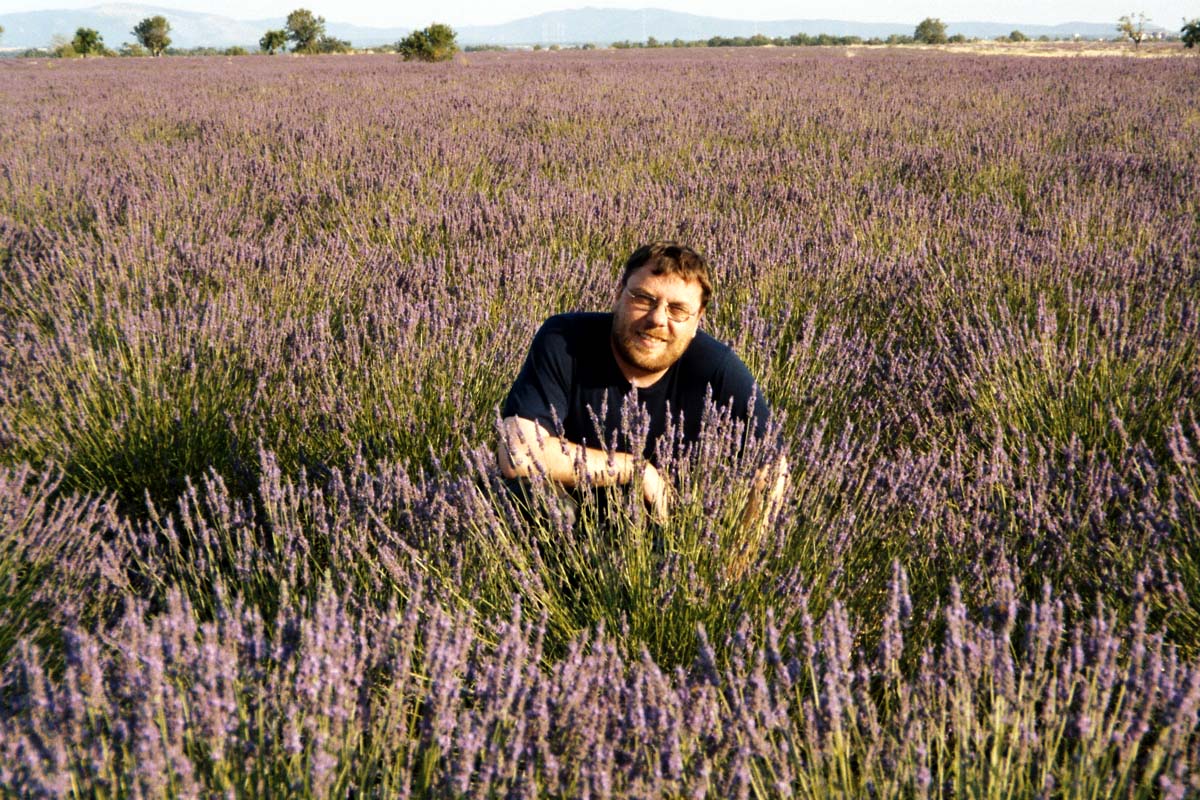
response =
{"points": [[524, 448], [766, 496], [766, 499], [654, 490]]}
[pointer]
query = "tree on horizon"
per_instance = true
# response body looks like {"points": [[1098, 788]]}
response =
{"points": [[436, 42], [152, 33], [304, 29], [87, 41], [931, 30], [273, 40], [1133, 27], [1190, 33]]}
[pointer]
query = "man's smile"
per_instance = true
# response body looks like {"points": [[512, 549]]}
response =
{"points": [[650, 339]]}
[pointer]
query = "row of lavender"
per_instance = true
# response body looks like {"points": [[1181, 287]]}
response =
{"points": [[343, 687], [968, 286]]}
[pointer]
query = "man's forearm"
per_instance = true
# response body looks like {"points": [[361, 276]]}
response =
{"points": [[767, 491], [525, 449]]}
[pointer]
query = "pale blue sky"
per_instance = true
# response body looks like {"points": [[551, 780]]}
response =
{"points": [[1166, 13]]}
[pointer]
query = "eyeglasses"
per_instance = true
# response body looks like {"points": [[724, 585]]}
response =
{"points": [[676, 312]]}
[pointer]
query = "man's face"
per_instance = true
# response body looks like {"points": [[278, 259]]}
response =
{"points": [[645, 338]]}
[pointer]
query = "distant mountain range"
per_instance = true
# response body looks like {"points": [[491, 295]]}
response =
{"points": [[596, 25], [606, 25]]}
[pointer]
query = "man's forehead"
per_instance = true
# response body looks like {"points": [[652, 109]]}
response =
{"points": [[663, 285]]}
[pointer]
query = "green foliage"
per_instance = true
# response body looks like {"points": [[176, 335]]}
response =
{"points": [[434, 43], [1190, 33], [1133, 27], [33, 574], [1017, 36], [930, 30], [236, 50], [152, 32], [87, 42], [654, 584], [305, 30], [201, 50], [133, 50], [331, 44], [273, 41], [759, 40]]}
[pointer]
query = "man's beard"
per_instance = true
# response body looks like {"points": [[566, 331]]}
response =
{"points": [[661, 351]]}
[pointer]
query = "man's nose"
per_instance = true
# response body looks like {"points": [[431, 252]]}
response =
{"points": [[658, 314]]}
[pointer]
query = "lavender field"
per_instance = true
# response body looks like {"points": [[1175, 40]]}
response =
{"points": [[257, 316]]}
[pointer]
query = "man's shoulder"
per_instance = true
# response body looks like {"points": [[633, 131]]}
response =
{"points": [[578, 323], [714, 365], [708, 355], [571, 337]]}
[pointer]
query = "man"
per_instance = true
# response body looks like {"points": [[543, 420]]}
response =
{"points": [[581, 366]]}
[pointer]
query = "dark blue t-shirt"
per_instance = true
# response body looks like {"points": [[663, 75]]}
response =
{"points": [[571, 375]]}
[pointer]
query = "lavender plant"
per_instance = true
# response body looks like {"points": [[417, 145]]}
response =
{"points": [[330, 700], [251, 536]]}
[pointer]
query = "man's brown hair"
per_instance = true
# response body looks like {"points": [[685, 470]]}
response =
{"points": [[671, 258]]}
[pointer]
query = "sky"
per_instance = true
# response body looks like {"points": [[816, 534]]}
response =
{"points": [[1166, 13]]}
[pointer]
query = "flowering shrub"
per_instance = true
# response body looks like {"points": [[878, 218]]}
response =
{"points": [[253, 540]]}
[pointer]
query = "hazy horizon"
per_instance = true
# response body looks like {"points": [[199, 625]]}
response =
{"points": [[1165, 13]]}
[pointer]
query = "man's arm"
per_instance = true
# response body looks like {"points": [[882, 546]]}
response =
{"points": [[525, 448], [766, 496]]}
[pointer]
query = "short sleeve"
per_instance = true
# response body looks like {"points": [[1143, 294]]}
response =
{"points": [[540, 392], [737, 385]]}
